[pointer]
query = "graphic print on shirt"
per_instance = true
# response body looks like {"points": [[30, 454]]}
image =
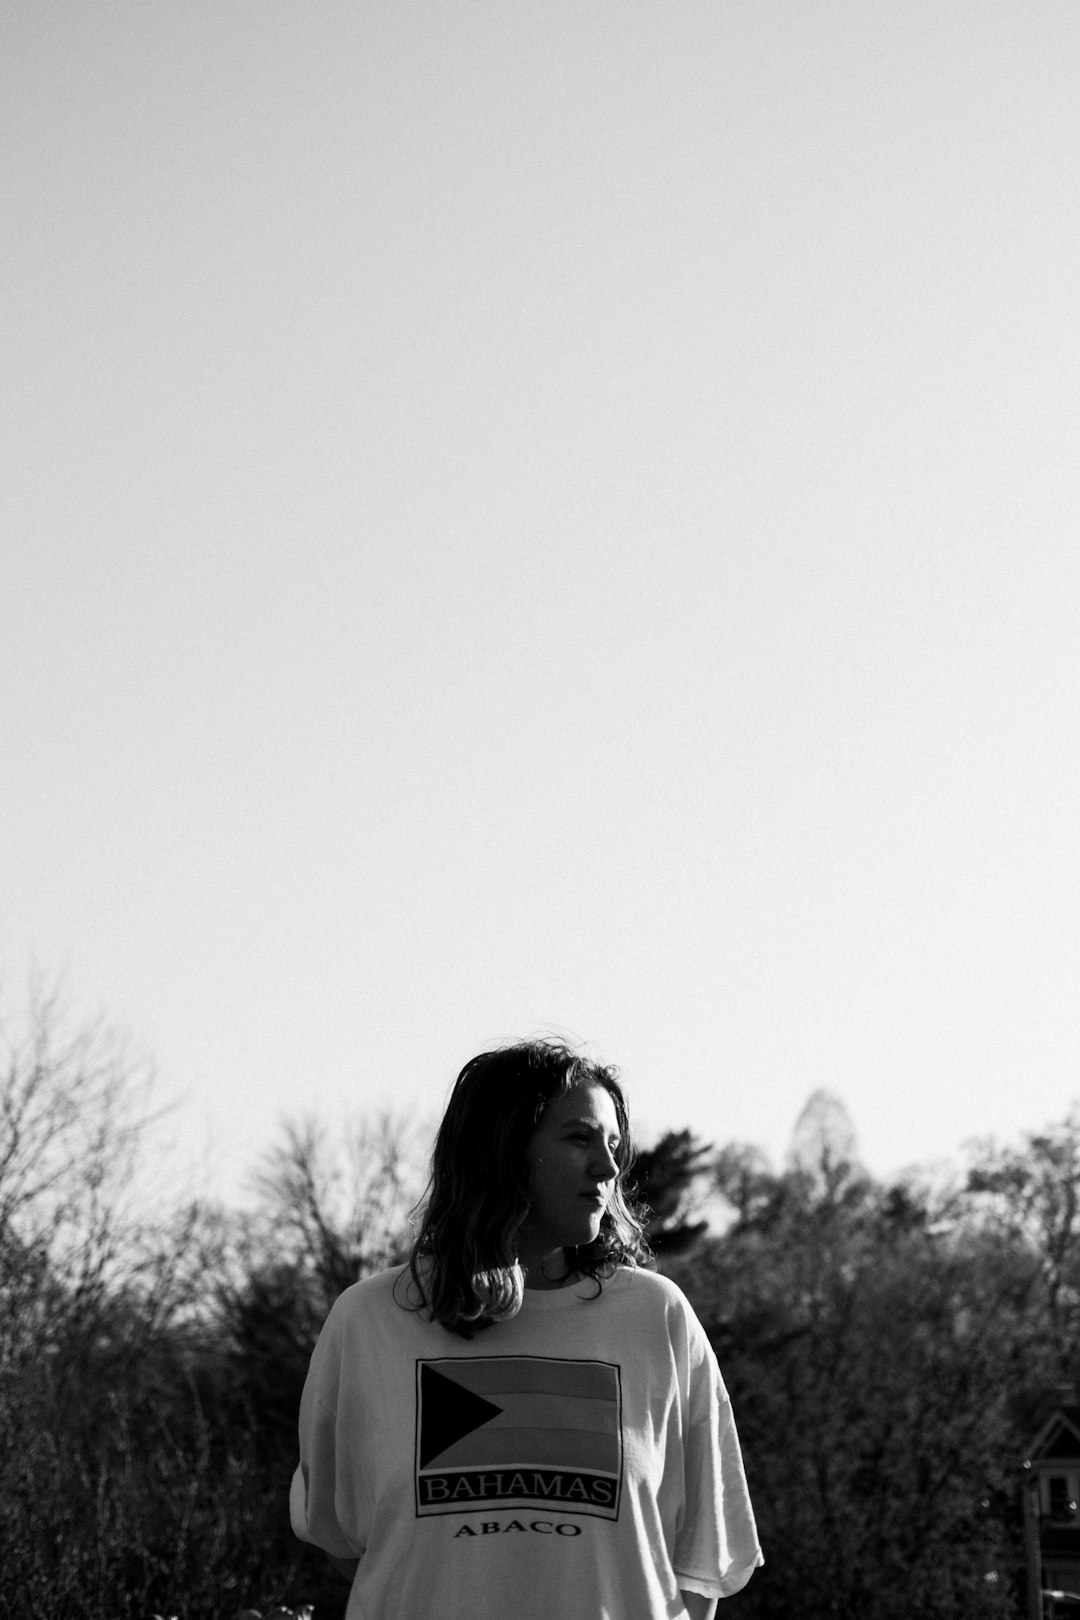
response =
{"points": [[518, 1430]]}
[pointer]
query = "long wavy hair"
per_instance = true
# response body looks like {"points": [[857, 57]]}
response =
{"points": [[463, 1264]]}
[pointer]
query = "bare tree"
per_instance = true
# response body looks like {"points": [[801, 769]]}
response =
{"points": [[823, 1146], [1032, 1193], [73, 1105], [340, 1200]]}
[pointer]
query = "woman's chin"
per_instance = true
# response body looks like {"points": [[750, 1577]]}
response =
{"points": [[590, 1230]]}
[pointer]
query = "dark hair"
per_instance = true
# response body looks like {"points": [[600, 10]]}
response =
{"points": [[464, 1261]]}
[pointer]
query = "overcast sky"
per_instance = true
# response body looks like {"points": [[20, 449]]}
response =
{"points": [[548, 516]]}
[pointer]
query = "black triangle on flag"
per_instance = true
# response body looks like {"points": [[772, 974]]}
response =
{"points": [[448, 1411]]}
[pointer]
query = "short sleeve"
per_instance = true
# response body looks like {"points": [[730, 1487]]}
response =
{"points": [[313, 1495], [716, 1548]]}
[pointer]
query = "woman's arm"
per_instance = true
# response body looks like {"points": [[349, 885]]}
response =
{"points": [[349, 1566], [698, 1607]]}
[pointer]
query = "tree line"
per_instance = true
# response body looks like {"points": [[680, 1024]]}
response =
{"points": [[888, 1348]]}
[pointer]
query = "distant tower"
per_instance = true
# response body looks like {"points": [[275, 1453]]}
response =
{"points": [[823, 1144]]}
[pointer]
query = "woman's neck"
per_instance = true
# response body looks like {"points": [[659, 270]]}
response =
{"points": [[545, 1271]]}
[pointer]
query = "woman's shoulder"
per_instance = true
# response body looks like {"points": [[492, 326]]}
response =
{"points": [[372, 1295], [651, 1289], [655, 1304]]}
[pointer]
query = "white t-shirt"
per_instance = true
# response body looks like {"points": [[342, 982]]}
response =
{"points": [[578, 1462]]}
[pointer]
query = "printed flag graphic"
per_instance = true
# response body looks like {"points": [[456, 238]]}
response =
{"points": [[518, 1430]]}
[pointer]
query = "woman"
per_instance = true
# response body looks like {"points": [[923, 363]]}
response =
{"points": [[521, 1423]]}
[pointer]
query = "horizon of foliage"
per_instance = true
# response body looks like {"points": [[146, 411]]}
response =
{"points": [[889, 1348]]}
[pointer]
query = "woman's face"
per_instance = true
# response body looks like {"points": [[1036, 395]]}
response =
{"points": [[572, 1165]]}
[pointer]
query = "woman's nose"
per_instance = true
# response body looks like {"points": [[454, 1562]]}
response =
{"points": [[606, 1164]]}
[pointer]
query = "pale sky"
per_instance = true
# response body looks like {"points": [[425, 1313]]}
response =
{"points": [[548, 516]]}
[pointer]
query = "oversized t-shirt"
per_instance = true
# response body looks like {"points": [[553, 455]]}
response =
{"points": [[578, 1462]]}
